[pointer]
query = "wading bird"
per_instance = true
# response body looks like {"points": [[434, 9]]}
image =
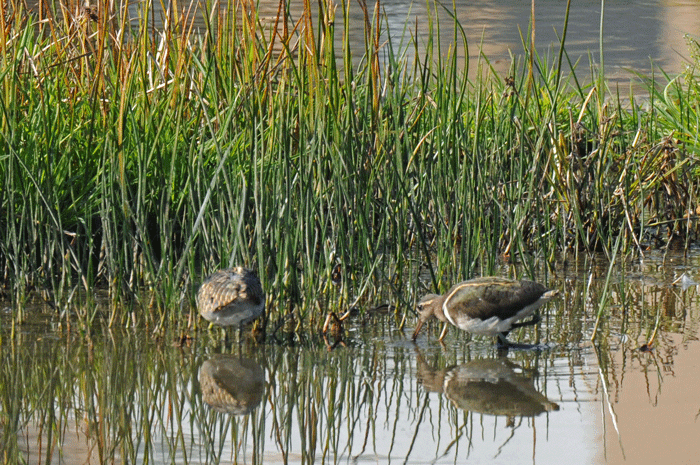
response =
{"points": [[490, 306], [231, 297]]}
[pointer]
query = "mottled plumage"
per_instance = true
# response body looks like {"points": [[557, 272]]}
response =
{"points": [[490, 305], [231, 297]]}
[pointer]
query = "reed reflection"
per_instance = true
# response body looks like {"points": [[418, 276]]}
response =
{"points": [[231, 384], [488, 386]]}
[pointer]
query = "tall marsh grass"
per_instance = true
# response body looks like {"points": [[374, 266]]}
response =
{"points": [[139, 159]]}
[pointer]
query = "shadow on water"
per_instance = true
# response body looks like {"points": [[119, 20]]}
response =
{"points": [[126, 396]]}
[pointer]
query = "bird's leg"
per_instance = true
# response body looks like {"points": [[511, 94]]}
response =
{"points": [[502, 342], [240, 335], [536, 318], [503, 345]]}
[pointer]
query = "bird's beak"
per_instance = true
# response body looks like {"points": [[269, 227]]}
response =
{"points": [[417, 330]]}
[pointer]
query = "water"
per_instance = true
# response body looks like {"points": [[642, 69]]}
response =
{"points": [[376, 397], [638, 36], [127, 395]]}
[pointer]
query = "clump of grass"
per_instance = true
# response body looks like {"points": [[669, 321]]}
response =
{"points": [[139, 159]]}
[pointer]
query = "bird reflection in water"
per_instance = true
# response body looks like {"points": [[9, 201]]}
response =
{"points": [[231, 384], [488, 386]]}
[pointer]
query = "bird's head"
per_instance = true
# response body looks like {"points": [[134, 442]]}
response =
{"points": [[426, 309]]}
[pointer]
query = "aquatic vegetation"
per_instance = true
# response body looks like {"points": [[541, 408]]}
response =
{"points": [[140, 160], [121, 395]]}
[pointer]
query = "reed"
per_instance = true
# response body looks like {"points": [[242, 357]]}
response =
{"points": [[138, 160], [126, 396]]}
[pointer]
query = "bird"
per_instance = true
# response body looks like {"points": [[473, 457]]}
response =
{"points": [[232, 296], [488, 305]]}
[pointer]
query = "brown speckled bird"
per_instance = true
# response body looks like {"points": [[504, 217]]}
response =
{"points": [[489, 306], [231, 297]]}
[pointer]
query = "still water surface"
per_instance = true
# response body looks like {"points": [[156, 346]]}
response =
{"points": [[127, 396], [638, 35]]}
